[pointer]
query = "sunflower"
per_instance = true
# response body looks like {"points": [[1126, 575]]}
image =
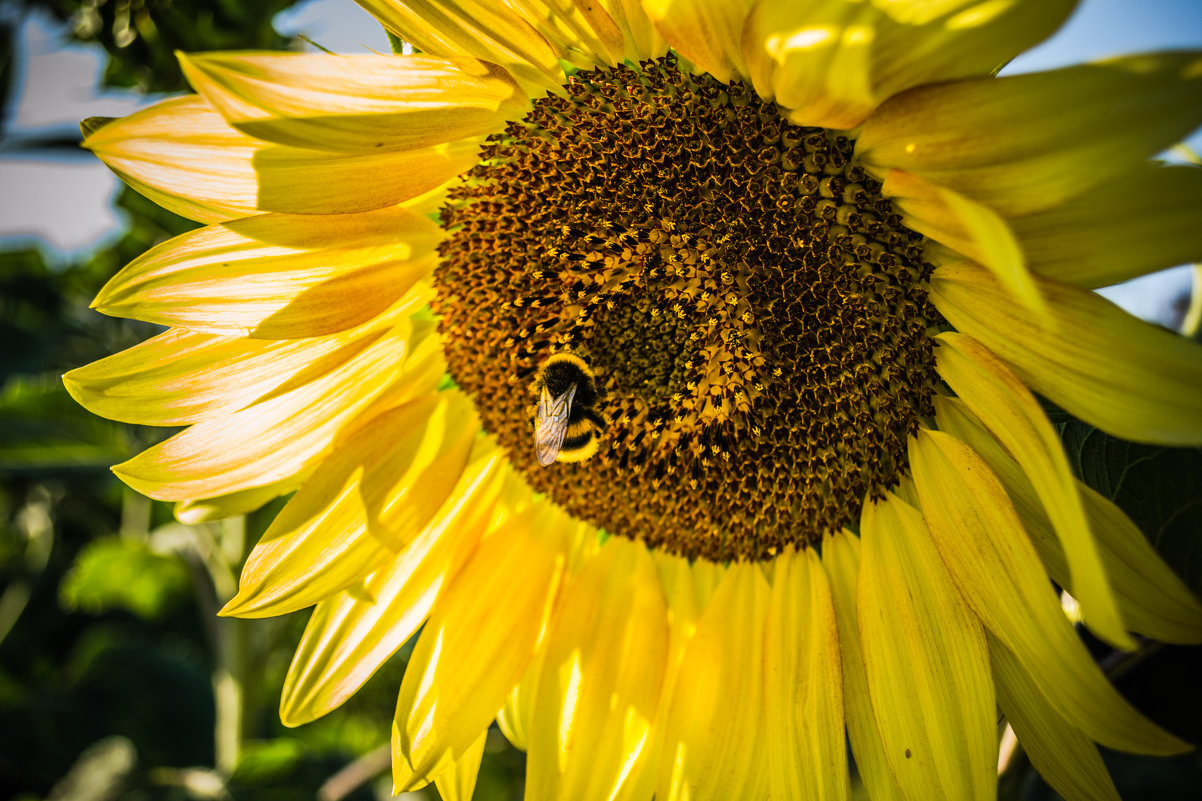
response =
{"points": [[819, 262]]}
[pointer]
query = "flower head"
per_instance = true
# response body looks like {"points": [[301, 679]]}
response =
{"points": [[808, 265]]}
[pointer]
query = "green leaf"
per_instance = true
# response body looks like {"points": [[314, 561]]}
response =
{"points": [[42, 428], [1159, 488], [116, 573]]}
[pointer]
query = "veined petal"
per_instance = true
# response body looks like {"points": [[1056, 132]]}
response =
{"points": [[355, 103], [1011, 413], [275, 438], [474, 650], [841, 557], [348, 638], [277, 276], [706, 32], [583, 30], [803, 684], [813, 59], [600, 681], [1025, 143], [970, 228], [1127, 377], [713, 743], [1066, 758], [997, 570], [364, 503], [181, 377], [1152, 599], [206, 510], [476, 29], [642, 39], [182, 155], [1142, 221], [925, 660]]}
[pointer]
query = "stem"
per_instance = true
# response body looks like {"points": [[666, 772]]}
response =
{"points": [[357, 773], [227, 693]]}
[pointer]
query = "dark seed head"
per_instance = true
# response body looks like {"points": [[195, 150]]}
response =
{"points": [[756, 315]]}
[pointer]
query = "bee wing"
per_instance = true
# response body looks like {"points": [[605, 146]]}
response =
{"points": [[551, 423]]}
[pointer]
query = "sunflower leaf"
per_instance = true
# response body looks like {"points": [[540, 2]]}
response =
{"points": [[1160, 489]]}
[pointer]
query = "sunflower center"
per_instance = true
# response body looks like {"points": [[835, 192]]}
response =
{"points": [[754, 312]]}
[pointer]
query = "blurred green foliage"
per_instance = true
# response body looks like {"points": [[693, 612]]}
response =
{"points": [[142, 36]]}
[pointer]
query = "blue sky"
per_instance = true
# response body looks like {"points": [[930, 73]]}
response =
{"points": [[64, 203]]}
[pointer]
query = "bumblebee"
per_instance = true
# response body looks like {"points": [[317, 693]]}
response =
{"points": [[566, 426]]}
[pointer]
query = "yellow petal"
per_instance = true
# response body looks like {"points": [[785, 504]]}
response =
{"points": [[841, 557], [458, 782], [1127, 377], [364, 503], [277, 276], [206, 510], [706, 33], [1014, 416], [933, 42], [1066, 758], [182, 377], [970, 228], [276, 438], [996, 568], [714, 726], [474, 650], [348, 638], [583, 30], [1140, 222], [814, 59], [1025, 143], [803, 684], [600, 681], [476, 29], [687, 588], [831, 62], [516, 716], [643, 41], [1152, 599], [182, 155], [354, 103], [925, 660]]}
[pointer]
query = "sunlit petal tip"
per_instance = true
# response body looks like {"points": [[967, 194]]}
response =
{"points": [[1015, 417], [1152, 599], [997, 571]]}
